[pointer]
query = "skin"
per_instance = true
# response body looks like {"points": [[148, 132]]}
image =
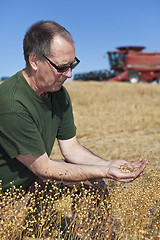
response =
{"points": [[80, 163]]}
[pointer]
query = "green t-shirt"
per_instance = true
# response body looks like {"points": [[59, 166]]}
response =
{"points": [[29, 124]]}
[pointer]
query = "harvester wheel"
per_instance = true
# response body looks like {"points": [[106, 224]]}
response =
{"points": [[133, 77], [158, 79]]}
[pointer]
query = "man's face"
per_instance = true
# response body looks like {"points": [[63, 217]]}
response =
{"points": [[47, 78]]}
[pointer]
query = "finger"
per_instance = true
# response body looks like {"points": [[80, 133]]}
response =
{"points": [[141, 168], [134, 173], [133, 166], [126, 176], [126, 180], [129, 166], [130, 176], [138, 162]]}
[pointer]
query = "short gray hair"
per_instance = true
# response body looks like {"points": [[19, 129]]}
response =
{"points": [[38, 38]]}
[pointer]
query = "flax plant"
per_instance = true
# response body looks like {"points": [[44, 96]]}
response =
{"points": [[82, 213]]}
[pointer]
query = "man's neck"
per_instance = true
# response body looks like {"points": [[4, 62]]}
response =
{"points": [[31, 81]]}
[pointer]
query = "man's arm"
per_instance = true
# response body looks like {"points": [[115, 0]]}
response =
{"points": [[81, 165], [74, 152], [45, 168]]}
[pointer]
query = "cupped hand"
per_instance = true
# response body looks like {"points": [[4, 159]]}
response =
{"points": [[131, 169]]}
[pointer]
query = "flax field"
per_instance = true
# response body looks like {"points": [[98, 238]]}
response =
{"points": [[119, 120], [115, 121]]}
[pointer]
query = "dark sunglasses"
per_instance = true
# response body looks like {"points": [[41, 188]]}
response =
{"points": [[65, 67]]}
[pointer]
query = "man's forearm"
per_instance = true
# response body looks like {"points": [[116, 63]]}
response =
{"points": [[46, 168], [86, 157], [73, 172], [78, 154]]}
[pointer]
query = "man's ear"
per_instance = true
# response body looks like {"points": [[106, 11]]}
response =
{"points": [[33, 61]]}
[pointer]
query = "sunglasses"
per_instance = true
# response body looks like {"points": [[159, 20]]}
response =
{"points": [[65, 67]]}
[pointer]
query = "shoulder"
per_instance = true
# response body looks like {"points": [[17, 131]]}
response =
{"points": [[11, 84], [7, 92], [14, 93]]}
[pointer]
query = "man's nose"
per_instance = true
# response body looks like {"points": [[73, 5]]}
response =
{"points": [[68, 73]]}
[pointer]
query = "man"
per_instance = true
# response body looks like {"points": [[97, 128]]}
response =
{"points": [[36, 109]]}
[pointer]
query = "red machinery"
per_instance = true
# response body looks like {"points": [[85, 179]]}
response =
{"points": [[130, 63]]}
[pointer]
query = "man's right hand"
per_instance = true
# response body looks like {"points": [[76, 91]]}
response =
{"points": [[115, 169]]}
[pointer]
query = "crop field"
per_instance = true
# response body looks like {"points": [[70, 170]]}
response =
{"points": [[122, 121], [115, 121]]}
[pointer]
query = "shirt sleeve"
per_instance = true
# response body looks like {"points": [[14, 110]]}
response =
{"points": [[67, 128], [19, 135]]}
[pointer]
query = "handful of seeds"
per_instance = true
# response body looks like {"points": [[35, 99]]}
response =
{"points": [[125, 168]]}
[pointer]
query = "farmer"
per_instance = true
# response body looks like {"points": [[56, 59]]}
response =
{"points": [[36, 109]]}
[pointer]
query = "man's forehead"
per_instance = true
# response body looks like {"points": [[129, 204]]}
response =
{"points": [[63, 50], [61, 42]]}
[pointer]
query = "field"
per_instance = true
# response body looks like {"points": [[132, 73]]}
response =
{"points": [[122, 121], [115, 121]]}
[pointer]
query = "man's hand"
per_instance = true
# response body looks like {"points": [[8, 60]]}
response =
{"points": [[124, 171]]}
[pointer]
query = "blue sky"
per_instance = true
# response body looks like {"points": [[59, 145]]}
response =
{"points": [[96, 27]]}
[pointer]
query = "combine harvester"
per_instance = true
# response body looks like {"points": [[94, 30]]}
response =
{"points": [[128, 64]]}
